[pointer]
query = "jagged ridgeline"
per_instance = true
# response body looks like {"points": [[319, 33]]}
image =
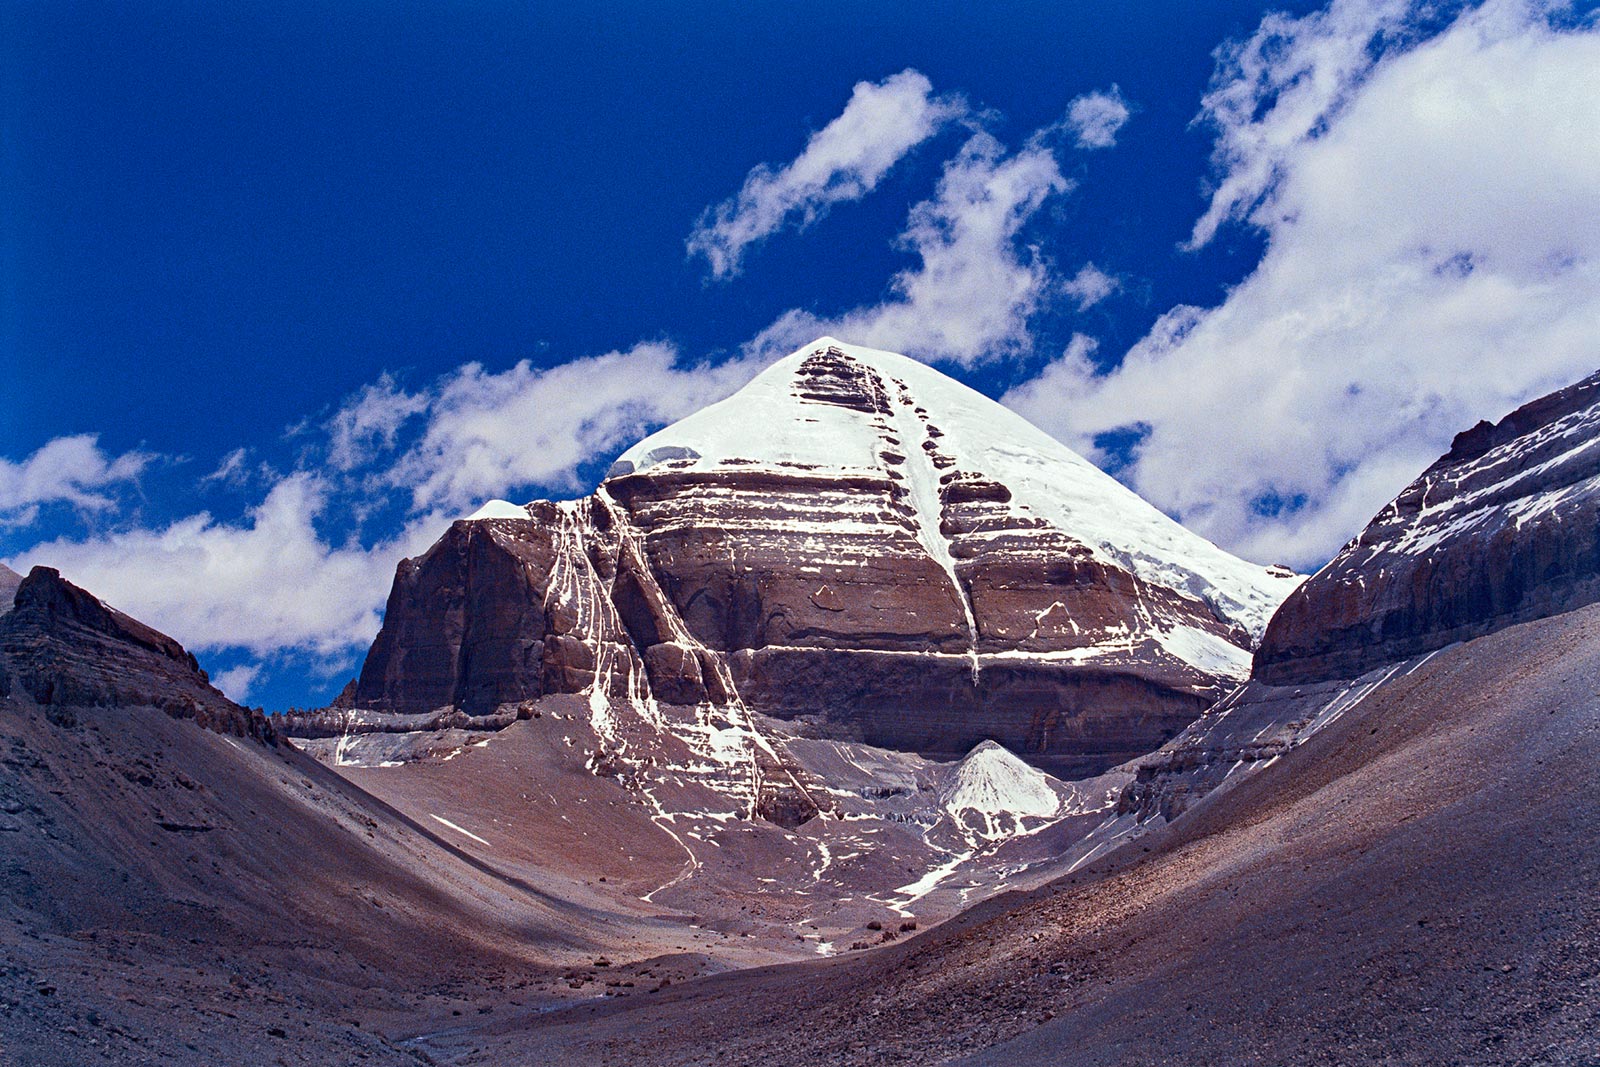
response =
{"points": [[855, 543]]}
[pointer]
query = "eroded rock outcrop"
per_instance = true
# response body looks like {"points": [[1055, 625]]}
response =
{"points": [[66, 649]]}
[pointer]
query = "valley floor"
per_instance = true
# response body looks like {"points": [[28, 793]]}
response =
{"points": [[1415, 885]]}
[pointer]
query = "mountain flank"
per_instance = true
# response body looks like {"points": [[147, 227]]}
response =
{"points": [[1389, 863], [854, 543], [176, 888]]}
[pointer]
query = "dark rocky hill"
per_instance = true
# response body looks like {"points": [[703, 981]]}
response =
{"points": [[66, 649], [1502, 529], [176, 889]]}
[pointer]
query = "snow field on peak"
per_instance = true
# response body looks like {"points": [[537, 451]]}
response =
{"points": [[499, 509], [765, 426]]}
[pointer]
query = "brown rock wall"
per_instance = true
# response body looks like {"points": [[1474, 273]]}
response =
{"points": [[1505, 528]]}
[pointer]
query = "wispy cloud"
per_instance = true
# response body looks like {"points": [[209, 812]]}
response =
{"points": [[71, 470], [367, 423], [236, 682], [1433, 258], [1279, 89], [231, 471], [970, 297], [488, 433], [1090, 286], [1094, 119], [843, 161]]}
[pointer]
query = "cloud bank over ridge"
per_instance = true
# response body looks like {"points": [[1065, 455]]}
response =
{"points": [[1433, 258]]}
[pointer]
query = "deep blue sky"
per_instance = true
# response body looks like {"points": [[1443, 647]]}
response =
{"points": [[220, 220]]}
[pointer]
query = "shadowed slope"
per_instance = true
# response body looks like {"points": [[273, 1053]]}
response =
{"points": [[171, 894]]}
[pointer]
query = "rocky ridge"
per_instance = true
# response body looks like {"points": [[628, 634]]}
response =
{"points": [[1501, 530], [67, 649]]}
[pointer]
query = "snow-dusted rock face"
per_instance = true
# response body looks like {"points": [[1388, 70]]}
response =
{"points": [[854, 541], [1504, 528]]}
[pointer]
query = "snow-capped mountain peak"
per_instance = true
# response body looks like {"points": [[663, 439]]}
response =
{"points": [[842, 408]]}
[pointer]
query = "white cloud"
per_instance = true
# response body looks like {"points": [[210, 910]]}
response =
{"points": [[268, 583], [72, 470], [1433, 258], [487, 434], [236, 682], [230, 471], [368, 422], [1301, 71], [1039, 400], [1094, 118], [972, 294], [842, 161], [1090, 286]]}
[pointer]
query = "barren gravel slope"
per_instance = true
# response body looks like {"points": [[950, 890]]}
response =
{"points": [[1414, 885], [169, 895]]}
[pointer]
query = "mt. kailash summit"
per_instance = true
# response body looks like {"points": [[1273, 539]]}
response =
{"points": [[854, 542], [812, 599]]}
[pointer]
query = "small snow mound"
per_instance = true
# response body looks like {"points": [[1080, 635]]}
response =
{"points": [[499, 509], [1001, 790]]}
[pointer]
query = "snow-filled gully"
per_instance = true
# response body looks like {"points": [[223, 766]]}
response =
{"points": [[631, 542], [724, 734], [573, 580], [922, 485]]}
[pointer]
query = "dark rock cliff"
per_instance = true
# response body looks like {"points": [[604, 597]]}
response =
{"points": [[1504, 528], [66, 650]]}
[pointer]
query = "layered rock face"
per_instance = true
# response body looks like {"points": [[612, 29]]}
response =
{"points": [[853, 541], [66, 649], [1504, 528]]}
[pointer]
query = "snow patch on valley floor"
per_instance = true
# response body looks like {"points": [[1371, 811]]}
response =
{"points": [[446, 822]]}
